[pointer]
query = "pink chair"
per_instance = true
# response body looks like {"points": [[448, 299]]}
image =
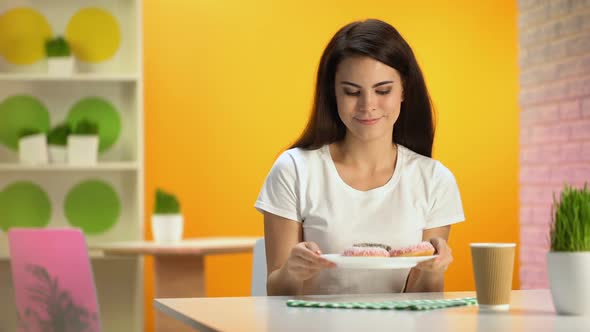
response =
{"points": [[53, 282]]}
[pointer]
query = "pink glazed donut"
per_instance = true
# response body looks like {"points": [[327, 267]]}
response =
{"points": [[367, 250], [424, 248]]}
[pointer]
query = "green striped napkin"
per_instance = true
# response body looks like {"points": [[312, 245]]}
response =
{"points": [[387, 305]]}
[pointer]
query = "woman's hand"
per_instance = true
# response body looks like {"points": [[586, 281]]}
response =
{"points": [[305, 261], [440, 263], [429, 276]]}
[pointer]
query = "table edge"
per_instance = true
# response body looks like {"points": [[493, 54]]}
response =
{"points": [[182, 318]]}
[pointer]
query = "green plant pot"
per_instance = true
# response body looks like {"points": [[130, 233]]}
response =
{"points": [[33, 149], [167, 228], [57, 154], [60, 66], [82, 149], [568, 274]]}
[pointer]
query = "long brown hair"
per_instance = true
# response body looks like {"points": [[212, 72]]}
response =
{"points": [[413, 129]]}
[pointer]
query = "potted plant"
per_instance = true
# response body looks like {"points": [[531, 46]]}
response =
{"points": [[57, 140], [83, 143], [32, 146], [568, 261], [167, 221], [59, 56]]}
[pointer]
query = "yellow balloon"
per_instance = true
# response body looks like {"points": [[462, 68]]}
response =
{"points": [[23, 32], [94, 35]]}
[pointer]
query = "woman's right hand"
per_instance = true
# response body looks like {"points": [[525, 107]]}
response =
{"points": [[305, 261]]}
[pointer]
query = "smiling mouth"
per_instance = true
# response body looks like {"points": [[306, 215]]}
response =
{"points": [[368, 122]]}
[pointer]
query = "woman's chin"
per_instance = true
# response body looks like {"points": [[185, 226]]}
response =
{"points": [[369, 136]]}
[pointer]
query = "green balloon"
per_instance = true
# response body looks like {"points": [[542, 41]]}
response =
{"points": [[24, 204], [93, 206], [18, 113], [103, 113]]}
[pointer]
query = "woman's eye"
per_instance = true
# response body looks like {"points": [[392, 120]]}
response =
{"points": [[383, 92], [352, 93]]}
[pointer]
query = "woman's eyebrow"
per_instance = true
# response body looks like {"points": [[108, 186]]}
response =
{"points": [[358, 86]]}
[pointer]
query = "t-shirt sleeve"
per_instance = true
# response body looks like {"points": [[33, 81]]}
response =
{"points": [[279, 191], [445, 201]]}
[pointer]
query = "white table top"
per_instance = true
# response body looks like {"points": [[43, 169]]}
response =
{"points": [[194, 246], [531, 310]]}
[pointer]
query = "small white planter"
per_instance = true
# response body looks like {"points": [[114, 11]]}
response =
{"points": [[60, 65], [569, 273], [33, 149], [57, 154], [82, 149], [167, 228]]}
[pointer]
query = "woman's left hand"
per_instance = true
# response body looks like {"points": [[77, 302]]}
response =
{"points": [[442, 261]]}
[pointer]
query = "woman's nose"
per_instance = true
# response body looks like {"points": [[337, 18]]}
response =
{"points": [[366, 102]]}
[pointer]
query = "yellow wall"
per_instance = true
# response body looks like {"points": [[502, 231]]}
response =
{"points": [[228, 84]]}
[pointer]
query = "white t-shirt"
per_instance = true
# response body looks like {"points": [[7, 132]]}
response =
{"points": [[304, 185]]}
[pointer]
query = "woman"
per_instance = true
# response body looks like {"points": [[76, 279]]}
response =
{"points": [[361, 172]]}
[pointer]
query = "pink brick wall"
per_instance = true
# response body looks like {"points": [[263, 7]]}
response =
{"points": [[554, 57]]}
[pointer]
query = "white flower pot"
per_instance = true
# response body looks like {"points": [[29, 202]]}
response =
{"points": [[82, 149], [57, 153], [33, 149], [569, 275], [60, 65], [167, 228]]}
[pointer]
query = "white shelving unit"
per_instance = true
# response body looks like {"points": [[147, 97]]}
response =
{"points": [[71, 78], [105, 166], [120, 81]]}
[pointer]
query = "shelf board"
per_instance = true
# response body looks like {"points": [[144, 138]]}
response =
{"points": [[90, 77], [104, 166]]}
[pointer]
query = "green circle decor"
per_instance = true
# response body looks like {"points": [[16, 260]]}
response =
{"points": [[93, 206], [24, 204], [21, 112], [103, 113]]}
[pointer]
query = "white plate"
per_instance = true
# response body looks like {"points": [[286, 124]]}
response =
{"points": [[351, 262]]}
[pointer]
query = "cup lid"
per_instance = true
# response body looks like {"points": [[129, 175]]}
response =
{"points": [[492, 245]]}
